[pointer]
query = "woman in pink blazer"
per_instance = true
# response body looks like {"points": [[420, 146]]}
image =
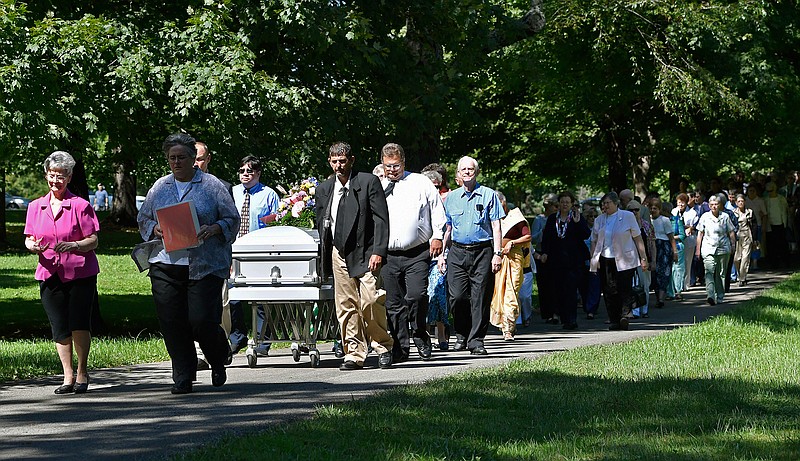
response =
{"points": [[62, 229], [617, 250]]}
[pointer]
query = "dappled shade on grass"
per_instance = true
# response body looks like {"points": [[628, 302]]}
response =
{"points": [[722, 390]]}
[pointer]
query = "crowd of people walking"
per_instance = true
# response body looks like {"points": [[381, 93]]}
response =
{"points": [[410, 259]]}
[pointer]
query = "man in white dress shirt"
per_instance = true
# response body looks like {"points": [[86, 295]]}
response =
{"points": [[416, 230]]}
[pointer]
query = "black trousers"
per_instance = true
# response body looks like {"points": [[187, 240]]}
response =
{"points": [[405, 278], [546, 285], [470, 285], [617, 289], [777, 247], [566, 301], [188, 311]]}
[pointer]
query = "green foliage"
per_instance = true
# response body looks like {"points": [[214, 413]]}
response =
{"points": [[603, 86], [307, 218], [689, 86]]}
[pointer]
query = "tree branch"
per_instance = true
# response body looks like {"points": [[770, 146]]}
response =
{"points": [[512, 30]]}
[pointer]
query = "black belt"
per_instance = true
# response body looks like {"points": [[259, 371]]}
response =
{"points": [[412, 250], [526, 270], [473, 246]]}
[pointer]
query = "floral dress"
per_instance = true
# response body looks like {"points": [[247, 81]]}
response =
{"points": [[437, 295]]}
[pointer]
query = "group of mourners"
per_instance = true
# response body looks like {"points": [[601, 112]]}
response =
{"points": [[638, 249], [406, 255]]}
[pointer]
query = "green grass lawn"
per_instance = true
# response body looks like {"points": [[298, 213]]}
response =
{"points": [[726, 389]]}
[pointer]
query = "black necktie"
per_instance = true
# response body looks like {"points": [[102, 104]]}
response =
{"points": [[339, 234], [389, 188]]}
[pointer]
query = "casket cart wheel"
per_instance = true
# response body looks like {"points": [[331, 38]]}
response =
{"points": [[314, 355], [252, 359], [295, 352]]}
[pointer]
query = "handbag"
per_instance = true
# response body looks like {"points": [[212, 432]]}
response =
{"points": [[638, 291]]}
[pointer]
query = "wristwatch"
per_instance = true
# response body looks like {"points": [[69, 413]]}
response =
{"points": [[498, 253]]}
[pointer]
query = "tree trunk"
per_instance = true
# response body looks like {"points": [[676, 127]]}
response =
{"points": [[619, 164], [78, 185], [641, 175], [3, 237], [124, 209]]}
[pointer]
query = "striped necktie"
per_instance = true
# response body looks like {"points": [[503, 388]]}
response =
{"points": [[244, 224]]}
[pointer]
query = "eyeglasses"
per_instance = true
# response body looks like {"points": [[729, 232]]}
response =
{"points": [[55, 177], [177, 159], [392, 166], [246, 171]]}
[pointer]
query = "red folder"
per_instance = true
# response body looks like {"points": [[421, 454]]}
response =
{"points": [[179, 225]]}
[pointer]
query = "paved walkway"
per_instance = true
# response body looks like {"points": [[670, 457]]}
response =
{"points": [[129, 412]]}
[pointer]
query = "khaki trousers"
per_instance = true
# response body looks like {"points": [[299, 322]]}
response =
{"points": [[361, 311]]}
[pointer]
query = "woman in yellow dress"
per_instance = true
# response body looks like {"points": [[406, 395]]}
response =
{"points": [[508, 280]]}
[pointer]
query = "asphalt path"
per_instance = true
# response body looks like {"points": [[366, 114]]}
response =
{"points": [[130, 413]]}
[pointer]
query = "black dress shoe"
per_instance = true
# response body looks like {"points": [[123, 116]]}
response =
{"points": [[338, 349], [349, 365], [400, 358], [423, 348], [182, 387], [82, 388], [711, 301], [385, 360], [238, 346], [218, 377], [478, 350], [623, 323], [65, 389]]}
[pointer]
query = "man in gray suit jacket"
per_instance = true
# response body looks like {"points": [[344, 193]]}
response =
{"points": [[353, 222]]}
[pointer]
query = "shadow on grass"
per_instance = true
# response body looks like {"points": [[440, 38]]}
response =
{"points": [[778, 310], [492, 416], [538, 415], [18, 278], [130, 315]]}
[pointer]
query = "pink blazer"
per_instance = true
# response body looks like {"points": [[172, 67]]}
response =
{"points": [[625, 229], [75, 221]]}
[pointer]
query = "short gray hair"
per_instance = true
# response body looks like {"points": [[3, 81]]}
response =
{"points": [[433, 175], [611, 196], [713, 198], [467, 158], [59, 160]]}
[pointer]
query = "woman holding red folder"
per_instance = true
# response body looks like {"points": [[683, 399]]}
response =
{"points": [[187, 283]]}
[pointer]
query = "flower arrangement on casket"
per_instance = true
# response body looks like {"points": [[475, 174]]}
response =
{"points": [[296, 208]]}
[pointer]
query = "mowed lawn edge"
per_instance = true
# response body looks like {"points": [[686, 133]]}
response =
{"points": [[725, 389]]}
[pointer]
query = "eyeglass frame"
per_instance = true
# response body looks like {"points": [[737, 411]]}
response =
{"points": [[56, 177]]}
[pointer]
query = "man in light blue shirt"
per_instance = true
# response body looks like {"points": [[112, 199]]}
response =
{"points": [[473, 229], [257, 205]]}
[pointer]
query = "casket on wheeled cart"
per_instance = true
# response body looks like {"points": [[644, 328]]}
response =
{"points": [[277, 270]]}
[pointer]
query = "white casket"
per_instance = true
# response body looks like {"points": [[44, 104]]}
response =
{"points": [[279, 263]]}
